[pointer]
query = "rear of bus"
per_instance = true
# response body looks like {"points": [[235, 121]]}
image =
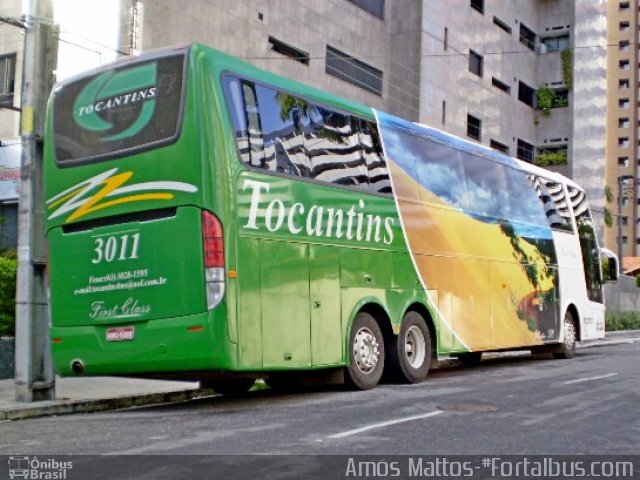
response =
{"points": [[136, 250]]}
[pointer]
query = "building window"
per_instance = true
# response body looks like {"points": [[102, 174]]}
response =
{"points": [[501, 147], [624, 83], [556, 44], [289, 51], [624, 45], [475, 63], [526, 94], [623, 142], [446, 38], [374, 7], [353, 71], [474, 127], [525, 151], [624, 103], [527, 37], [623, 123], [624, 26], [623, 162], [478, 5], [624, 6], [7, 79], [624, 221], [500, 85], [444, 112], [502, 25], [624, 64]]}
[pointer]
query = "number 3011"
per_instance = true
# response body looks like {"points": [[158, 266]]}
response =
{"points": [[123, 247]]}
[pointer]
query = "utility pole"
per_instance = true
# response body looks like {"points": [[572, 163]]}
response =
{"points": [[622, 179], [34, 375]]}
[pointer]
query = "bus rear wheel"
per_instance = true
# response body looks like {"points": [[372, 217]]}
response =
{"points": [[409, 356], [366, 353], [567, 349]]}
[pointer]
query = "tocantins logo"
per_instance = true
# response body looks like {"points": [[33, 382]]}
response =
{"points": [[108, 190], [115, 90]]}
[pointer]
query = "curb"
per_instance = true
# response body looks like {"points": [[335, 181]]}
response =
{"points": [[623, 334], [101, 405]]}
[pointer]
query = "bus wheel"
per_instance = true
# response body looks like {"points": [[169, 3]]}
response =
{"points": [[469, 359], [366, 357], [229, 386], [567, 349], [409, 354]]}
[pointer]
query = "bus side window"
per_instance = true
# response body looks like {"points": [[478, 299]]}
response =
{"points": [[333, 145], [256, 137], [283, 117], [377, 170], [233, 90], [527, 206], [588, 244], [439, 171], [487, 191], [555, 204]]}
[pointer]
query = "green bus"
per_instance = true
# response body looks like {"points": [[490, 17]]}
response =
{"points": [[209, 220]]}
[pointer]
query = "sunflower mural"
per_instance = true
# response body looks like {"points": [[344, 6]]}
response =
{"points": [[479, 236]]}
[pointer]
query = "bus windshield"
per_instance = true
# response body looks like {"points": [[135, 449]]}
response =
{"points": [[118, 111]]}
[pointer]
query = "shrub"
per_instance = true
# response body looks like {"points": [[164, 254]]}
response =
{"points": [[8, 270], [551, 159], [622, 321]]}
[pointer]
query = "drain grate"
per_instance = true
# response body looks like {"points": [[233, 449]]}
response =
{"points": [[468, 407]]}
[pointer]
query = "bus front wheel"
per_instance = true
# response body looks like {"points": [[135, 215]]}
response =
{"points": [[567, 349], [409, 356], [366, 353]]}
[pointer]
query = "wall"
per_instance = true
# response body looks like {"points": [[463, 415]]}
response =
{"points": [[11, 39], [242, 29], [623, 296], [589, 113]]}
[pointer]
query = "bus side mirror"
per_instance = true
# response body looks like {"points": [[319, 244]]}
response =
{"points": [[612, 265], [614, 269]]}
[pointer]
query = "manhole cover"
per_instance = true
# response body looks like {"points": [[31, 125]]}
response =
{"points": [[468, 407]]}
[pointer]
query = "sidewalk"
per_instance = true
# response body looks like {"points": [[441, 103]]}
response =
{"points": [[96, 394]]}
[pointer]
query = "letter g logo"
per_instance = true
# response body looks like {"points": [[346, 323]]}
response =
{"points": [[113, 89]]}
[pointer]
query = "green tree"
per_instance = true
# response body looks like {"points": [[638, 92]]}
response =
{"points": [[8, 271]]}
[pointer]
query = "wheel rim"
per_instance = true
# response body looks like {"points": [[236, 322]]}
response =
{"points": [[414, 347], [366, 350], [569, 334]]}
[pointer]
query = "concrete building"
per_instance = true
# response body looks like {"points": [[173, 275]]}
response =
{"points": [[470, 67], [11, 42], [623, 157]]}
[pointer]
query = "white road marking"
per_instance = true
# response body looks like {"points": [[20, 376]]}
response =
{"points": [[580, 380], [385, 424]]}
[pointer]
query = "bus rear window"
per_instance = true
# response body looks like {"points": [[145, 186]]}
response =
{"points": [[119, 111]]}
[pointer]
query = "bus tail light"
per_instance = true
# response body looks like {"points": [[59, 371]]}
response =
{"points": [[213, 258]]}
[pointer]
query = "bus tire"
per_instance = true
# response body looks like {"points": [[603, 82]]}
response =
{"points": [[229, 386], [366, 353], [409, 356], [469, 359], [567, 349]]}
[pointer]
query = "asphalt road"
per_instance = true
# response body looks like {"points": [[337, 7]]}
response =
{"points": [[588, 405]]}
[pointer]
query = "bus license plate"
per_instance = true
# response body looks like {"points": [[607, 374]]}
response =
{"points": [[120, 334]]}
